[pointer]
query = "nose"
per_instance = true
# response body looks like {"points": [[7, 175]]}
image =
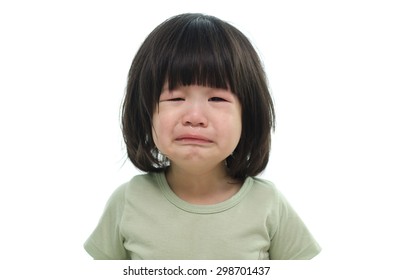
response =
{"points": [[195, 116]]}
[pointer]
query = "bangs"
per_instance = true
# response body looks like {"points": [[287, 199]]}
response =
{"points": [[199, 55]]}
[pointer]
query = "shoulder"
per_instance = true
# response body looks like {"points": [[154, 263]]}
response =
{"points": [[268, 199], [137, 182], [141, 183], [262, 184], [267, 192], [263, 189], [140, 187], [262, 200]]}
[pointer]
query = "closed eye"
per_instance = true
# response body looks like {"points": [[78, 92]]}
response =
{"points": [[176, 99], [217, 99], [172, 99]]}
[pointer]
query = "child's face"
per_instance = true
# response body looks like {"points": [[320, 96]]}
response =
{"points": [[197, 126]]}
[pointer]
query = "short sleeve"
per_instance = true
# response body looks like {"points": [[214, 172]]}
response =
{"points": [[106, 241], [291, 239]]}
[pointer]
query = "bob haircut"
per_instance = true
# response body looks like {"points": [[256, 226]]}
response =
{"points": [[197, 49]]}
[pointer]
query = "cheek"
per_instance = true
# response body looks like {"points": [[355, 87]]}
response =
{"points": [[230, 129], [237, 129], [160, 128], [237, 132], [155, 128], [236, 122]]}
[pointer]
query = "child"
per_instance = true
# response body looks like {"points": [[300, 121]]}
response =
{"points": [[197, 117]]}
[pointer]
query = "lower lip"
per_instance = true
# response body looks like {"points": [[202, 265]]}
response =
{"points": [[193, 141]]}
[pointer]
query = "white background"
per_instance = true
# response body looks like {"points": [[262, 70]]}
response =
{"points": [[63, 69]]}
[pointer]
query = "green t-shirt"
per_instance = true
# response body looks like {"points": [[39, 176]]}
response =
{"points": [[144, 219]]}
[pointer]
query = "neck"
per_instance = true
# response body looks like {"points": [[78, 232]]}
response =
{"points": [[208, 187]]}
